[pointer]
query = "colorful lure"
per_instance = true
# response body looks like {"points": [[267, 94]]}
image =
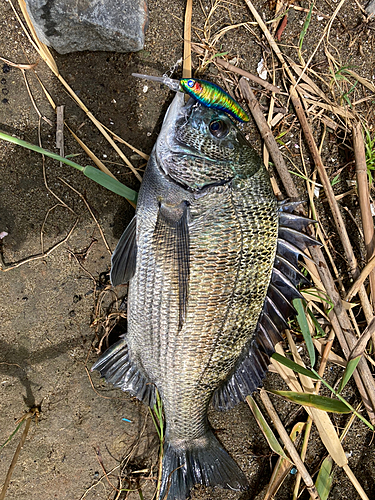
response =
{"points": [[213, 96], [207, 93]]}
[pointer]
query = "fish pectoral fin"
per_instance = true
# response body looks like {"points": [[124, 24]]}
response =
{"points": [[171, 237], [125, 255], [118, 369]]}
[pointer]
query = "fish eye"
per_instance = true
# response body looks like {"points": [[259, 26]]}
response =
{"points": [[219, 129], [190, 83]]}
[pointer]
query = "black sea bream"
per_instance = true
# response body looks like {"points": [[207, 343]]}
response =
{"points": [[211, 261]]}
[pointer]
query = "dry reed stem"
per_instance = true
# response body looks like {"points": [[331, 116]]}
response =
{"points": [[355, 483], [93, 156], [345, 335], [321, 418], [360, 346], [186, 66], [269, 140], [361, 279], [230, 67], [339, 222], [293, 453], [364, 200]]}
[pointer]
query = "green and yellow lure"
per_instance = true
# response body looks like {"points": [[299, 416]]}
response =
{"points": [[207, 93], [213, 96]]}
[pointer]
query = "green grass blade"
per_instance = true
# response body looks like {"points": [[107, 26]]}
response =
{"points": [[320, 332], [306, 25], [302, 321], [40, 150], [349, 370], [110, 183], [11, 436], [267, 431], [324, 480], [91, 172], [319, 402], [294, 366]]}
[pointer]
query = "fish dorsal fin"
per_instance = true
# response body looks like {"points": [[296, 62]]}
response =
{"points": [[117, 368], [125, 255], [253, 364], [171, 237]]}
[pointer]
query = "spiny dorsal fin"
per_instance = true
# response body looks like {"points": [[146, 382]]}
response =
{"points": [[252, 366]]}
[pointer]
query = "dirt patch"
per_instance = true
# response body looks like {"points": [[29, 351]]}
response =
{"points": [[47, 305]]}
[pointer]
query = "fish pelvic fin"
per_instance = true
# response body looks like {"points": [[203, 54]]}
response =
{"points": [[117, 368], [198, 461], [124, 257]]}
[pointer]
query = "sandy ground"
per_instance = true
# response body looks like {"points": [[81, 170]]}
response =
{"points": [[47, 305]]}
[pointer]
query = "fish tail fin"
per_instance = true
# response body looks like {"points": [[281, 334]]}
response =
{"points": [[200, 461]]}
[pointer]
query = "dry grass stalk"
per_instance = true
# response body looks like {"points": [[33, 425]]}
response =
{"points": [[186, 65], [361, 279], [230, 67], [34, 412], [60, 130], [289, 446], [283, 466], [339, 222], [7, 267], [364, 200]]}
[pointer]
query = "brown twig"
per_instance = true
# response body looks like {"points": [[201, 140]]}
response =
{"points": [[230, 67], [7, 267], [269, 139], [364, 199], [293, 453]]}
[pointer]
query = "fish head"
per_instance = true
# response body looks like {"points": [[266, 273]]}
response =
{"points": [[199, 146]]}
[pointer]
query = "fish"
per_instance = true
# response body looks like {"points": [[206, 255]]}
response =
{"points": [[211, 261], [207, 93]]}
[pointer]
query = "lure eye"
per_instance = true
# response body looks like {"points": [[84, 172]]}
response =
{"points": [[219, 129], [190, 83]]}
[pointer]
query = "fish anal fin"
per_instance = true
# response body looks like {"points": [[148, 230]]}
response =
{"points": [[124, 257], [171, 236], [199, 461], [117, 368], [246, 378]]}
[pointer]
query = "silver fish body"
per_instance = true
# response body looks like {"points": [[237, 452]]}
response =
{"points": [[199, 257]]}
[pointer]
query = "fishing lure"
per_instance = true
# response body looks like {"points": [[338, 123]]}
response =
{"points": [[207, 93]]}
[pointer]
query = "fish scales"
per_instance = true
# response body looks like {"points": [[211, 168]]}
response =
{"points": [[206, 239]]}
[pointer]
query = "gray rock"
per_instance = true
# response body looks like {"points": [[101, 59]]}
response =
{"points": [[370, 9], [110, 25]]}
